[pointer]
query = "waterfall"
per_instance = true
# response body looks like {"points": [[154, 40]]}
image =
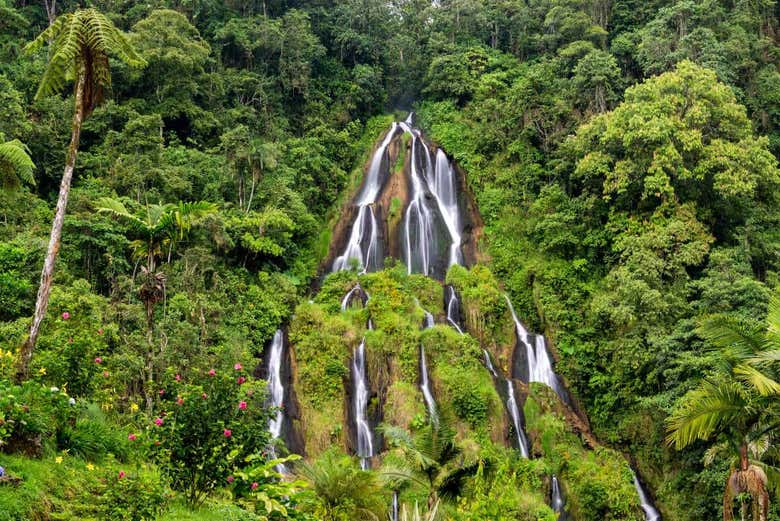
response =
{"points": [[365, 442], [428, 322], [514, 413], [364, 229], [351, 294], [419, 219], [430, 403], [276, 391], [363, 244], [538, 359], [433, 196], [425, 386], [443, 187], [651, 513], [394, 508], [453, 309], [489, 364], [557, 502]]}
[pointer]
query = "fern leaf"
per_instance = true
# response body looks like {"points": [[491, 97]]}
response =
{"points": [[15, 158]]}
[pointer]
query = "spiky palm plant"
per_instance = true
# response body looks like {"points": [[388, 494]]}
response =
{"points": [[431, 459], [343, 490], [80, 45], [15, 164], [739, 402]]}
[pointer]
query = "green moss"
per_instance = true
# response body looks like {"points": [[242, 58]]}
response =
{"points": [[598, 483], [484, 310]]}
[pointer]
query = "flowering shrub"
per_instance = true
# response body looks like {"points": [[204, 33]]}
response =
{"points": [[74, 345], [203, 434], [30, 414], [134, 496]]}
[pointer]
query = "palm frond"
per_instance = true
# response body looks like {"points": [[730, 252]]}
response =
{"points": [[763, 384], [116, 208], [703, 410], [727, 333], [15, 159], [765, 357]]}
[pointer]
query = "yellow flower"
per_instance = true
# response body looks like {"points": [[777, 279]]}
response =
{"points": [[42, 371], [58, 460], [134, 407], [90, 466]]}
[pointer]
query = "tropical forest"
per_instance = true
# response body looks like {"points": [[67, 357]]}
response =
{"points": [[390, 260]]}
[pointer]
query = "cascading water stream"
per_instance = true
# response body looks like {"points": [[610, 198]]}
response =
{"points": [[365, 441], [419, 219], [425, 386], [557, 502], [489, 364], [514, 414], [276, 391], [434, 184], [444, 189], [364, 244], [539, 363], [394, 507], [453, 309], [651, 513], [351, 294]]}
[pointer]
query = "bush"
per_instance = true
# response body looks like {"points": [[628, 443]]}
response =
{"points": [[30, 414], [205, 432], [141, 496]]}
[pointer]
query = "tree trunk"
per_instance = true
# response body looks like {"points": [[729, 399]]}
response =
{"points": [[47, 274], [51, 10]]}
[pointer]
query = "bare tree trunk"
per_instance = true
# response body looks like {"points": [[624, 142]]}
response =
{"points": [[47, 274], [51, 10]]}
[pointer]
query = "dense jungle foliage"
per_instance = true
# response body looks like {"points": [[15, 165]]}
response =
{"points": [[623, 157]]}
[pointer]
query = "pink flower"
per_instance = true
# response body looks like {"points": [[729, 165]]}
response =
{"points": [[100, 331], [230, 479], [177, 377], [105, 374], [180, 400], [131, 437], [242, 405], [228, 433], [65, 316], [158, 421], [204, 396], [98, 360], [237, 367], [254, 485], [212, 372], [122, 474], [240, 380], [161, 392]]}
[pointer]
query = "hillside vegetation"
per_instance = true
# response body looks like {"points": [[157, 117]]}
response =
{"points": [[186, 172]]}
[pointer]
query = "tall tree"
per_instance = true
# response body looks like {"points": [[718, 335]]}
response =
{"points": [[159, 227], [80, 45]]}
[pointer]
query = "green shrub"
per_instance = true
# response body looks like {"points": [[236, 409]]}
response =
{"points": [[134, 496], [204, 432], [30, 414]]}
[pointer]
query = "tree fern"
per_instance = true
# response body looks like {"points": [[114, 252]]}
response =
{"points": [[81, 42], [15, 164]]}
